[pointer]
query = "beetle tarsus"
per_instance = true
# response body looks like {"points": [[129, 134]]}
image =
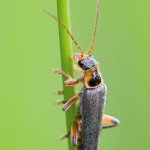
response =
{"points": [[61, 73], [64, 136], [59, 102], [59, 92], [76, 68]]}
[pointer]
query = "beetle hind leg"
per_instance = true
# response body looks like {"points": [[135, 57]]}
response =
{"points": [[75, 131], [109, 121]]}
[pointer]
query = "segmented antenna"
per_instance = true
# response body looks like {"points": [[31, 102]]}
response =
{"points": [[67, 31], [95, 27]]}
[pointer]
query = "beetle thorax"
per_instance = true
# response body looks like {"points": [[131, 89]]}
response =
{"points": [[92, 78]]}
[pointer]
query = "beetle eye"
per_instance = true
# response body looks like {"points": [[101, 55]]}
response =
{"points": [[83, 64], [80, 63]]}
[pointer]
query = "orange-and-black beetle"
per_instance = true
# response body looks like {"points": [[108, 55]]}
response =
{"points": [[86, 127]]}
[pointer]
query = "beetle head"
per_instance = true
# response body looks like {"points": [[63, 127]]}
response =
{"points": [[86, 62]]}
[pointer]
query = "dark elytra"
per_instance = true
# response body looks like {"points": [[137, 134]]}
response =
{"points": [[90, 107]]}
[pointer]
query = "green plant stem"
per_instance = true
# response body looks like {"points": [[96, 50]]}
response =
{"points": [[66, 62]]}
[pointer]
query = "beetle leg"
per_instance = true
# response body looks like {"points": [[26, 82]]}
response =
{"points": [[59, 92], [77, 147], [58, 102], [109, 121], [75, 131], [67, 103], [70, 81], [77, 68], [64, 136], [61, 73], [70, 102], [73, 81]]}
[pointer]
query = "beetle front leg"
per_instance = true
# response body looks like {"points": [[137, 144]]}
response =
{"points": [[73, 81], [76, 68], [70, 81]]}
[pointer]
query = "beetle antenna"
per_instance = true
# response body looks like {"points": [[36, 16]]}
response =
{"points": [[67, 31], [95, 27]]}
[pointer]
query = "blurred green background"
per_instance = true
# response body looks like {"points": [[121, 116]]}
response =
{"points": [[29, 47]]}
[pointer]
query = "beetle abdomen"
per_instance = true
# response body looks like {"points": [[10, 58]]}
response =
{"points": [[90, 108]]}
